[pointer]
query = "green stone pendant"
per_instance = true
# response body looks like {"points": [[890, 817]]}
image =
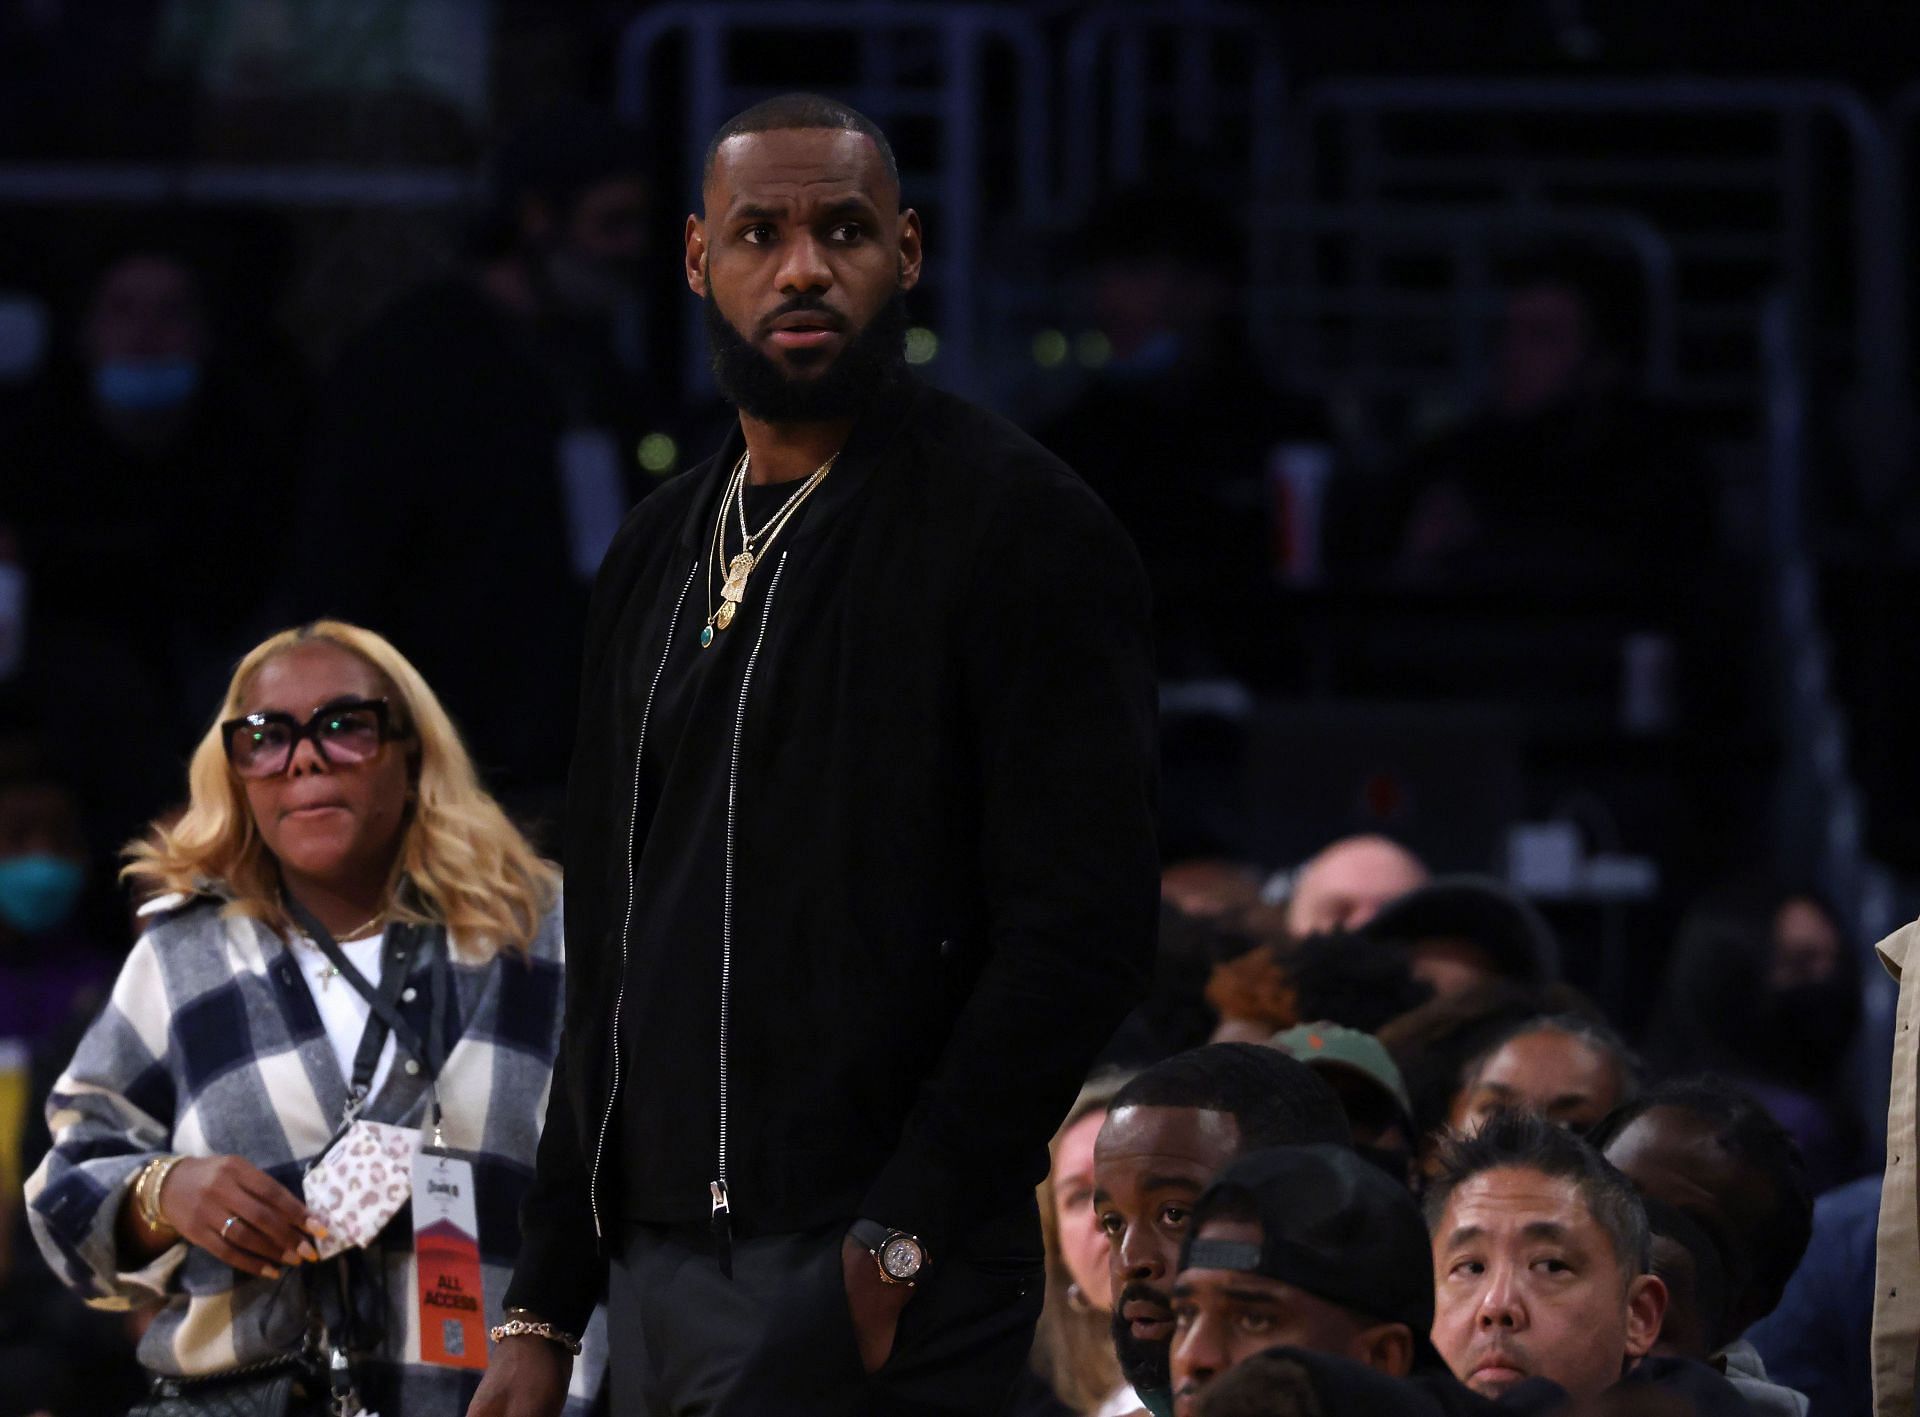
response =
{"points": [[706, 636]]}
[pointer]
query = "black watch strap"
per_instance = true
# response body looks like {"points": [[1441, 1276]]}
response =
{"points": [[870, 1233]]}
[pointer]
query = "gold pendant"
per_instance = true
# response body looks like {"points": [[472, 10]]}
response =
{"points": [[723, 617], [735, 586]]}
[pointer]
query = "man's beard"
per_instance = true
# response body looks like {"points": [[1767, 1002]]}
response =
{"points": [[1147, 1366], [873, 357]]}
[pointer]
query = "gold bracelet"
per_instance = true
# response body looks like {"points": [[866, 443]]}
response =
{"points": [[146, 1193], [530, 1327]]}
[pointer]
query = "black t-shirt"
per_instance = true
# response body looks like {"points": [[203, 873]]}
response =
{"points": [[686, 765]]}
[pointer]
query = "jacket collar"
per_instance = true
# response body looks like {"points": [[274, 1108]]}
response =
{"points": [[1896, 950], [867, 447]]}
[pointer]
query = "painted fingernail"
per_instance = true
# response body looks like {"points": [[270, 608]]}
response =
{"points": [[307, 1251], [269, 1272], [317, 1230], [290, 1258]]}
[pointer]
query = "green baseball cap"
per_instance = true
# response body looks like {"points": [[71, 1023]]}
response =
{"points": [[1326, 1044]]}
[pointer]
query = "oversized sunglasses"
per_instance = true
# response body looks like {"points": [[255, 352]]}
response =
{"points": [[345, 732]]}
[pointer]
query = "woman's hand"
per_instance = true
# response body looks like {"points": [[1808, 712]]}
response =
{"points": [[270, 1226]]}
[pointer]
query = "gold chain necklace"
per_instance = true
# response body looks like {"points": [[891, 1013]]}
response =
{"points": [[332, 971], [754, 546]]}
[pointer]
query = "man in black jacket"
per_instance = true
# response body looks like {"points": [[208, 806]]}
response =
{"points": [[860, 859]]}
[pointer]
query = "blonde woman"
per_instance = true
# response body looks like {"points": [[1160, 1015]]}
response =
{"points": [[1073, 1343], [337, 839]]}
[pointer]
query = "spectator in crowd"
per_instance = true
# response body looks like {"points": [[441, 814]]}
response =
{"points": [[1712, 1152], [336, 834], [1692, 1263], [1348, 883], [493, 419], [1073, 1342], [1211, 889], [1541, 1261], [1348, 979], [1437, 1044], [1367, 1081], [1568, 474], [54, 971], [1570, 1069], [155, 451], [1168, 1133], [1176, 1014], [1306, 1246], [1816, 1340], [1465, 930], [52, 959], [1299, 1382], [1763, 988], [1148, 432]]}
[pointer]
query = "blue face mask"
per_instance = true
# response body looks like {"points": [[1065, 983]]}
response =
{"points": [[145, 385], [37, 892]]}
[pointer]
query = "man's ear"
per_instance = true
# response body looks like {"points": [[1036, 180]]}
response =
{"points": [[910, 249], [1386, 1348], [696, 256], [1646, 1307]]}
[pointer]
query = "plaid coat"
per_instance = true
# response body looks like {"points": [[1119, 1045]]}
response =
{"points": [[212, 1045]]}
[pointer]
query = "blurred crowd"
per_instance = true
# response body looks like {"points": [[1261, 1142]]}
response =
{"points": [[1469, 1077], [182, 482]]}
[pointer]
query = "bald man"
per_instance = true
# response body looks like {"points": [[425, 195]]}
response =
{"points": [[1346, 884]]}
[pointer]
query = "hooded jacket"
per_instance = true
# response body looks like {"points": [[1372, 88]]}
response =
{"points": [[942, 876]]}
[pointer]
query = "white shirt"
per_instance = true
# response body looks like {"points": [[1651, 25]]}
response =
{"points": [[343, 1012]]}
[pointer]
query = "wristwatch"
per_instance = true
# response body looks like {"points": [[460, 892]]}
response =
{"points": [[900, 1257]]}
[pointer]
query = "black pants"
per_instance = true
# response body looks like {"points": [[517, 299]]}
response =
{"points": [[777, 1338]]}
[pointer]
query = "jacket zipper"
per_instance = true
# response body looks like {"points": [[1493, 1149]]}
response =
{"points": [[722, 1216], [633, 821]]}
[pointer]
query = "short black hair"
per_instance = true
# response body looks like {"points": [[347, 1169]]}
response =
{"points": [[1747, 1132], [1353, 979], [1527, 1142], [799, 110], [1274, 1100], [1593, 1032]]}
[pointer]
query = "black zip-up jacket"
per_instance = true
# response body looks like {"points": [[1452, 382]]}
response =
{"points": [[945, 807]]}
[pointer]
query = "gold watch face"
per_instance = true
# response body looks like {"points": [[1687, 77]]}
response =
{"points": [[901, 1257]]}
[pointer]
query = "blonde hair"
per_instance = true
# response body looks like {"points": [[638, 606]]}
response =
{"points": [[461, 864], [1073, 1342]]}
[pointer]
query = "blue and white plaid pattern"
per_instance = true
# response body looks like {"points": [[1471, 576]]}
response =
{"points": [[211, 1045]]}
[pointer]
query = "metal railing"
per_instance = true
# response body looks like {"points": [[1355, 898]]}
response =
{"points": [[1109, 71], [289, 185], [1373, 165], [1313, 311], [957, 39]]}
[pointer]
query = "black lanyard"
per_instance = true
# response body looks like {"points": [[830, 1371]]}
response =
{"points": [[402, 946]]}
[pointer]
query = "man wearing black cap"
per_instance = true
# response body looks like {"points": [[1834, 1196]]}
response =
{"points": [[1168, 1133], [1307, 1246]]}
